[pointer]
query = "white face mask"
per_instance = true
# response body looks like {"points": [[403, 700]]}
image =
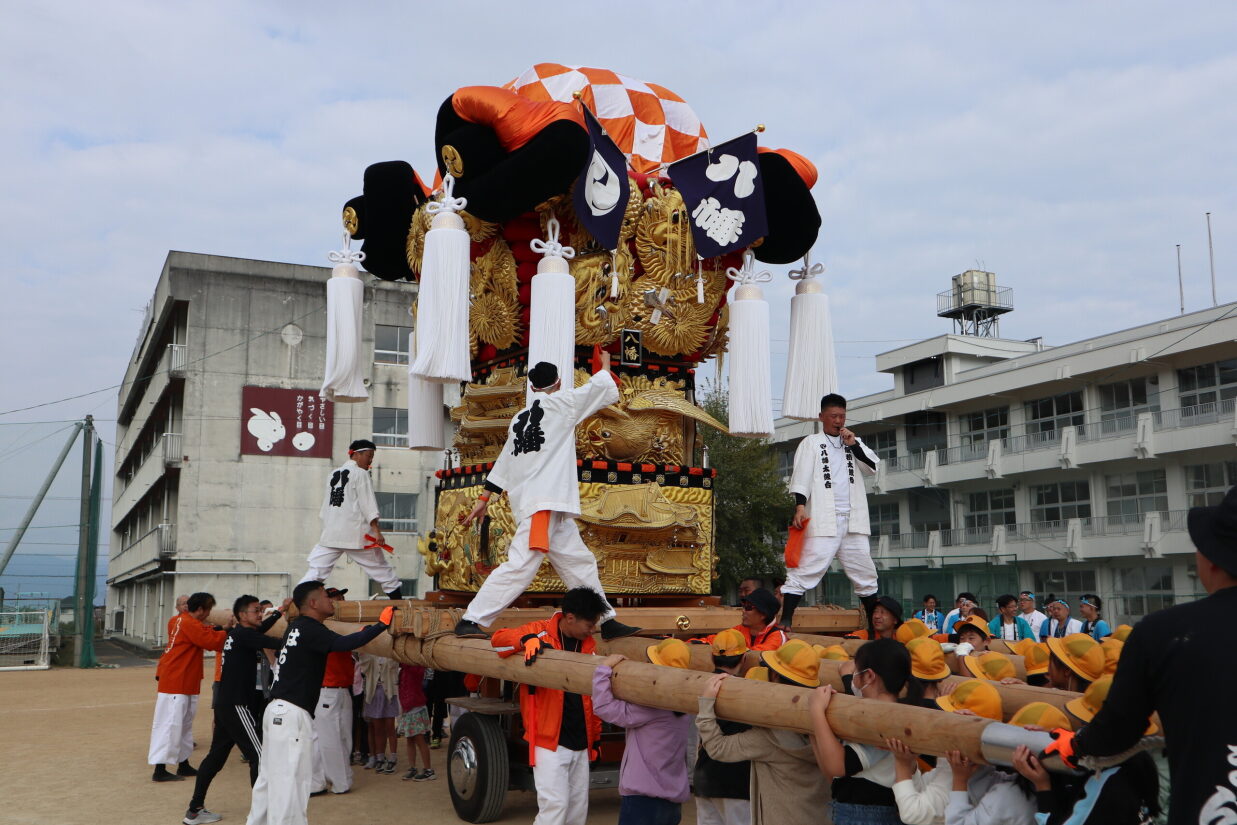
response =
{"points": [[854, 685]]}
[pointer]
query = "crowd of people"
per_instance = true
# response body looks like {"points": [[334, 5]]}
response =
{"points": [[1170, 670]]}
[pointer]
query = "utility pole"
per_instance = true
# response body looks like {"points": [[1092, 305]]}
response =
{"points": [[1180, 283], [1211, 255], [83, 613]]}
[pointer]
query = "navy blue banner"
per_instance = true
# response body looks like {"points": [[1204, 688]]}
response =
{"points": [[725, 196], [602, 188]]}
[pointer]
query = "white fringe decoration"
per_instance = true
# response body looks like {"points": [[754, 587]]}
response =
{"points": [[425, 423], [345, 296], [751, 400], [811, 368], [442, 325], [552, 315]]}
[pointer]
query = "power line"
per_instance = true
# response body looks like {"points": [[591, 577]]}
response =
{"points": [[153, 374]]}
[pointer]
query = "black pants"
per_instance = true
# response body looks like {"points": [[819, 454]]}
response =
{"points": [[446, 684], [237, 725]]}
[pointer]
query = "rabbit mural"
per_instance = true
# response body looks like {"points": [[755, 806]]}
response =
{"points": [[266, 427]]}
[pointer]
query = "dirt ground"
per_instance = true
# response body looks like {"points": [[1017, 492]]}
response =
{"points": [[74, 752]]}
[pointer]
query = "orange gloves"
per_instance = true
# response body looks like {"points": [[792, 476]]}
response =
{"points": [[387, 616], [532, 647], [1063, 746]]}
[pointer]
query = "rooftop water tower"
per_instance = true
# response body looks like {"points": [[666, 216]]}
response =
{"points": [[975, 303]]}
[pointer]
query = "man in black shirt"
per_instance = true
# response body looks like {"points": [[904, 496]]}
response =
{"points": [[281, 793], [1179, 663], [238, 701]]}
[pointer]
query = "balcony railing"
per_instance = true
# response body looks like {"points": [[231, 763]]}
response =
{"points": [[167, 538], [178, 357], [966, 535], [1118, 427], [1031, 441], [171, 450], [1196, 416], [398, 525], [965, 452]]}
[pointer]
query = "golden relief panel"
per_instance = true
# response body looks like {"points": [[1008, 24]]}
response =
{"points": [[647, 539]]}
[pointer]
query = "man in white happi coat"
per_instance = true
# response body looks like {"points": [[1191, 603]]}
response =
{"points": [[349, 513], [537, 469], [831, 506]]}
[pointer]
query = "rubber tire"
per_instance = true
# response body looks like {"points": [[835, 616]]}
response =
{"points": [[493, 770]]}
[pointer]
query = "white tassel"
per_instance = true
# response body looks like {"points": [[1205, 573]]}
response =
{"points": [[345, 296], [442, 325], [811, 367], [425, 423], [614, 284], [552, 314], [751, 399], [699, 283]]}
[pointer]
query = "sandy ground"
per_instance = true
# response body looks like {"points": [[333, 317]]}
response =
{"points": [[74, 751]]}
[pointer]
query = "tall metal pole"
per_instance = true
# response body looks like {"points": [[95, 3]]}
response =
{"points": [[83, 545], [38, 498], [1211, 255], [1180, 283]]}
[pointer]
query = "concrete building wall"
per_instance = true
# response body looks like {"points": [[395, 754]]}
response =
{"points": [[238, 523]]}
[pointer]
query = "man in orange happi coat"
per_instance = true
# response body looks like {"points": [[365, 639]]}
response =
{"points": [[179, 675]]}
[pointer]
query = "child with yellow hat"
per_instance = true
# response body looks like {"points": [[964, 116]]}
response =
{"points": [[723, 789], [1128, 792], [863, 776], [786, 785], [993, 666], [1035, 657], [928, 665], [1075, 662], [653, 776]]}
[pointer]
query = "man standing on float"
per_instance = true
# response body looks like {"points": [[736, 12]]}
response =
{"points": [[831, 506], [537, 468]]}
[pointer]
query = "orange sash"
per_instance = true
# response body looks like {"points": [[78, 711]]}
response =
{"points": [[794, 544], [539, 532]]}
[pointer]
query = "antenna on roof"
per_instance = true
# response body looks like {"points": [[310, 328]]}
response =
{"points": [[1180, 283], [1211, 255]]}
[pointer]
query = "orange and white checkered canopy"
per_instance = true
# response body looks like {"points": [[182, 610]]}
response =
{"points": [[649, 123]]}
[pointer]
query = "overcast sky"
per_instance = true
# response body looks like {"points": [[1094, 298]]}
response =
{"points": [[1067, 147]]}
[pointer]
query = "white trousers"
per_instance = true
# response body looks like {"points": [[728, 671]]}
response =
{"points": [[717, 810], [281, 794], [333, 740], [852, 551], [573, 561], [373, 562], [561, 777], [171, 732]]}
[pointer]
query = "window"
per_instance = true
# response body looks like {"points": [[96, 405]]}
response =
{"points": [[390, 427], [1061, 501], [1120, 403], [786, 461], [391, 344], [408, 588], [925, 430], [884, 444], [1207, 383], [1048, 415], [397, 512], [1143, 590], [1206, 484], [1132, 494], [922, 375], [990, 508], [885, 519], [1063, 584], [978, 428]]}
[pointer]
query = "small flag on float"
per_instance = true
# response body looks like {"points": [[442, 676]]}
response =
{"points": [[602, 188], [724, 195]]}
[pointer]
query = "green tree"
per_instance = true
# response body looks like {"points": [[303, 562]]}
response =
{"points": [[751, 505]]}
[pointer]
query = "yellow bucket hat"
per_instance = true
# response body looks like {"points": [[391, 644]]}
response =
{"points": [[992, 665], [911, 629], [729, 642], [1122, 632], [757, 674], [670, 653], [1034, 656], [835, 653], [974, 695], [1112, 653], [1089, 703], [1042, 715], [927, 659], [797, 661], [976, 623], [1080, 653]]}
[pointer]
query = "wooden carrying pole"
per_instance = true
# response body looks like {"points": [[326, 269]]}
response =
{"points": [[852, 645], [741, 700], [1013, 697]]}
